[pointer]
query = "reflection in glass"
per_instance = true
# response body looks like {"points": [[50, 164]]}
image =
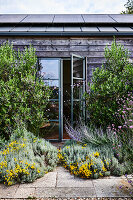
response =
{"points": [[52, 110], [78, 89], [50, 130], [78, 111], [49, 69], [77, 67], [54, 85]]}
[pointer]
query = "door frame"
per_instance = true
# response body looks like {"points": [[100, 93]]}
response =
{"points": [[60, 137]]}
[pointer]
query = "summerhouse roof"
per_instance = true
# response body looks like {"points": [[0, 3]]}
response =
{"points": [[66, 24]]}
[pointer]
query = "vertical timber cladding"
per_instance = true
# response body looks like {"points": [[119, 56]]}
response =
{"points": [[91, 47]]}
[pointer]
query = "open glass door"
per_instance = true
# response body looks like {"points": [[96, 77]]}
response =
{"points": [[78, 87]]}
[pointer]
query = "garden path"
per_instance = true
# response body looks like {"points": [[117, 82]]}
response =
{"points": [[61, 184]]}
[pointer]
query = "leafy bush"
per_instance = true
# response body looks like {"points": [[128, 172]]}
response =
{"points": [[109, 83], [26, 158], [23, 96], [90, 162]]}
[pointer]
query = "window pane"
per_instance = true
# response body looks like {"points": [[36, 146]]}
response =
{"points": [[52, 110], [78, 89], [49, 69], [50, 130], [54, 85], [77, 67], [78, 111]]}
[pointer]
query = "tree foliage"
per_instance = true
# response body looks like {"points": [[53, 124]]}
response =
{"points": [[109, 84], [129, 7], [23, 96]]}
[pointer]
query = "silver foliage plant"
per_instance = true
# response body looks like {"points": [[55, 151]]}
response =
{"points": [[26, 157]]}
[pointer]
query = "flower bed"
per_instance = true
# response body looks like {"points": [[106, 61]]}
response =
{"points": [[86, 162], [26, 158]]}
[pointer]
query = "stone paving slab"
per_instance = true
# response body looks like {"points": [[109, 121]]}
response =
{"points": [[109, 188], [48, 180], [8, 191], [65, 192], [67, 180], [24, 193]]}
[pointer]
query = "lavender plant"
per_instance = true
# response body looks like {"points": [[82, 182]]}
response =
{"points": [[90, 134]]}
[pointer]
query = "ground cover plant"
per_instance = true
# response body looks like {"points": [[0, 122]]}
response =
{"points": [[24, 96], [25, 158]]}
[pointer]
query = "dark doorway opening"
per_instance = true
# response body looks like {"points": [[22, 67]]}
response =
{"points": [[66, 95]]}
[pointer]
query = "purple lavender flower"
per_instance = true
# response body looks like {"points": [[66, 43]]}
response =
{"points": [[129, 181]]}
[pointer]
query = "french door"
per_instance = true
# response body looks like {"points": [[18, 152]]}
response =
{"points": [[78, 87], [51, 72]]}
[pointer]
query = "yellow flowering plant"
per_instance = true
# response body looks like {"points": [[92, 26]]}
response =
{"points": [[22, 159], [87, 161]]}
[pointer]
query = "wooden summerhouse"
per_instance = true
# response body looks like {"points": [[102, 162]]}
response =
{"points": [[68, 47]]}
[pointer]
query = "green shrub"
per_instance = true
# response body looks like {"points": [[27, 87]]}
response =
{"points": [[109, 84], [23, 96], [26, 158]]}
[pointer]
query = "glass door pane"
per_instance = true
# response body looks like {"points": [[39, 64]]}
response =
{"points": [[78, 86], [50, 71]]}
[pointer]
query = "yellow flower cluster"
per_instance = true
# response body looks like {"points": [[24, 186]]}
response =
{"points": [[84, 172], [85, 168], [13, 146], [35, 139], [3, 164], [61, 158], [96, 154], [20, 167], [104, 169]]}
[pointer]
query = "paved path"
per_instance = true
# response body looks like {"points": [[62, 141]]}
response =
{"points": [[60, 184]]}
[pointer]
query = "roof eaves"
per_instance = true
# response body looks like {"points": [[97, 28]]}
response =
{"points": [[66, 33]]}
